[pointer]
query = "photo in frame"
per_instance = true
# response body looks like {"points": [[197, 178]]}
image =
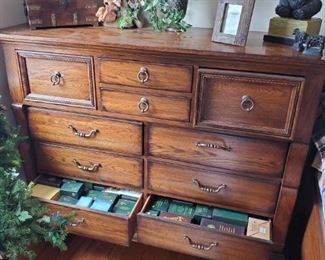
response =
{"points": [[232, 22]]}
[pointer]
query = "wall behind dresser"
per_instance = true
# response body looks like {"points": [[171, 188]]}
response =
{"points": [[11, 13], [263, 11]]}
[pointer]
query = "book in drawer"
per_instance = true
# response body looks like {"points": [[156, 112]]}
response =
{"points": [[197, 240]]}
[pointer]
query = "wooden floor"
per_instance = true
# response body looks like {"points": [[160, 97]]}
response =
{"points": [[81, 248]]}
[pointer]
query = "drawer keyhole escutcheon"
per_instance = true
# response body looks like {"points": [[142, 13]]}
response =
{"points": [[247, 103], [209, 189], [143, 75], [213, 146], [56, 78], [92, 168], [78, 222], [200, 247], [92, 133], [144, 105]]}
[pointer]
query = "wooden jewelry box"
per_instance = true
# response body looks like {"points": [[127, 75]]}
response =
{"points": [[59, 13]]}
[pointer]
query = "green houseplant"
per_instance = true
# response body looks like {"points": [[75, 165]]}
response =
{"points": [[23, 219], [163, 15]]}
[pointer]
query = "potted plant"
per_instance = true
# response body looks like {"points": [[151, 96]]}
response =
{"points": [[23, 219]]}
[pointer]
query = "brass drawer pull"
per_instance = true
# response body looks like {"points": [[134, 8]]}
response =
{"points": [[56, 78], [209, 189], [200, 247], [93, 168], [144, 105], [213, 146], [92, 133], [247, 103], [78, 223], [143, 75]]}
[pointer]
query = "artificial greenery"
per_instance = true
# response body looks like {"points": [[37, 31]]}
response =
{"points": [[130, 15], [162, 16], [23, 220]]}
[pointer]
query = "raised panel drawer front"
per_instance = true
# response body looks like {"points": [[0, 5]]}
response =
{"points": [[86, 131], [152, 106], [147, 75], [90, 166], [251, 102], [109, 227], [203, 242], [213, 187], [243, 155], [57, 78]]}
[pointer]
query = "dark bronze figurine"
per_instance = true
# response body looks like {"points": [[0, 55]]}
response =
{"points": [[315, 45], [298, 9], [300, 39], [308, 44]]}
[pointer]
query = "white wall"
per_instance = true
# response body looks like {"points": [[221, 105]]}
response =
{"points": [[11, 13], [201, 13]]}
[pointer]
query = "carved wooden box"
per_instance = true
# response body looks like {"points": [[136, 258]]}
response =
{"points": [[60, 13]]}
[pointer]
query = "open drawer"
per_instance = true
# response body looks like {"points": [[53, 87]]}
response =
{"points": [[105, 226], [197, 240]]}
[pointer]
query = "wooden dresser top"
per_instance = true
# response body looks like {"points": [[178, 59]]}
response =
{"points": [[195, 41]]}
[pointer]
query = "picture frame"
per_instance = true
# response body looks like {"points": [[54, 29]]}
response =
{"points": [[232, 22]]}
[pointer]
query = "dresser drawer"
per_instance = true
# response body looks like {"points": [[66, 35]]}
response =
{"points": [[213, 187], [228, 152], [57, 78], [251, 102], [171, 235], [146, 75], [86, 131], [88, 165], [109, 227], [152, 106]]}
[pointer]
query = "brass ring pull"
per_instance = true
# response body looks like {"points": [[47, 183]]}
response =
{"points": [[144, 105], [209, 189], [92, 133], [92, 168], [143, 75], [200, 247], [247, 103], [78, 223], [56, 78], [213, 146]]}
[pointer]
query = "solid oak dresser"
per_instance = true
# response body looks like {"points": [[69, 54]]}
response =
{"points": [[173, 115]]}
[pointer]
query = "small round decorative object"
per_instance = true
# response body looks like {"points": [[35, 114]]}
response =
{"points": [[247, 103]]}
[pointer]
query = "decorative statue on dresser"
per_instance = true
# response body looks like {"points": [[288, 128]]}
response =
{"points": [[298, 9], [109, 12]]}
